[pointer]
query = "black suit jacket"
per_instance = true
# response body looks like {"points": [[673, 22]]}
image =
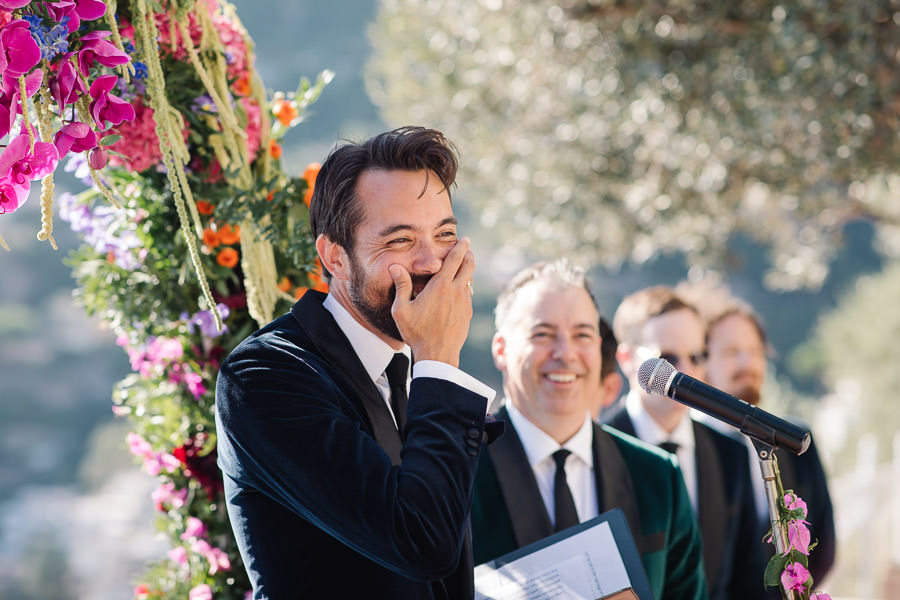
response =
{"points": [[732, 552], [325, 498]]}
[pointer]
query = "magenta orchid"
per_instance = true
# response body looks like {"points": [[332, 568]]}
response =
{"points": [[13, 4], [19, 52], [790, 569], [19, 166], [75, 137], [96, 49], [106, 106], [66, 86]]}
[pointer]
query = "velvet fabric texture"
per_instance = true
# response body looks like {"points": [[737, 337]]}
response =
{"points": [[732, 548], [326, 498], [642, 480]]}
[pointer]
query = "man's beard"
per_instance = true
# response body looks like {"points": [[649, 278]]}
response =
{"points": [[375, 304], [749, 394]]}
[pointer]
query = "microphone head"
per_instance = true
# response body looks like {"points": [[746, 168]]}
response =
{"points": [[654, 375]]}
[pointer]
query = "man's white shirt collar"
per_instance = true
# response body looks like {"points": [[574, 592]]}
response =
{"points": [[372, 351], [649, 430], [538, 445]]}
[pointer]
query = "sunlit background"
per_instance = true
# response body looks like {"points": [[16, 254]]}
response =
{"points": [[756, 145]]}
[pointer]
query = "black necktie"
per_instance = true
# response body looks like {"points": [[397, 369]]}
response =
{"points": [[396, 372], [566, 515], [671, 447]]}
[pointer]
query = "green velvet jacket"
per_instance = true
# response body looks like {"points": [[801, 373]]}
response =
{"points": [[645, 482]]}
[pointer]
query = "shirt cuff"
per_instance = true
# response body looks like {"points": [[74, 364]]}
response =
{"points": [[441, 370]]}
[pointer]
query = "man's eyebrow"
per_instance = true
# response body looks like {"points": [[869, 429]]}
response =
{"points": [[405, 227]]}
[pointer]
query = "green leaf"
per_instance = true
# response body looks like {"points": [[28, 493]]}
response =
{"points": [[109, 140], [772, 576]]}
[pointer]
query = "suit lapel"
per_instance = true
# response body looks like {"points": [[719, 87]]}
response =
{"points": [[711, 501], [527, 512], [332, 345], [614, 486]]}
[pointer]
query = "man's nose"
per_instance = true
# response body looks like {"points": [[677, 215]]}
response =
{"points": [[428, 258]]}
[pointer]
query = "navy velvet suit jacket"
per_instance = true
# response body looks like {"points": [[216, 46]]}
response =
{"points": [[325, 498], [732, 550]]}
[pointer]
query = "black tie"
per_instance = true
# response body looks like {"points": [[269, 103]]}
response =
{"points": [[396, 372], [671, 447], [566, 515]]}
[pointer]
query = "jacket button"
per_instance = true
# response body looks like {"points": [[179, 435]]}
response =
{"points": [[474, 433], [472, 451]]}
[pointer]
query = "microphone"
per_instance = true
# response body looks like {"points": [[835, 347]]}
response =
{"points": [[657, 376]]}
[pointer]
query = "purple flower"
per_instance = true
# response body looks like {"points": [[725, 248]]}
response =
{"points": [[19, 52], [206, 322], [13, 4], [106, 106], [794, 577], [12, 196], [52, 40]]}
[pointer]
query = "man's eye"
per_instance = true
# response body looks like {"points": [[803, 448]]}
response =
{"points": [[397, 241]]}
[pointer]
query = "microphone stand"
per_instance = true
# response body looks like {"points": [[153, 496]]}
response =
{"points": [[768, 465]]}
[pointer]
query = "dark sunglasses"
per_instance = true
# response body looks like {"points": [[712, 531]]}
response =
{"points": [[695, 359]]}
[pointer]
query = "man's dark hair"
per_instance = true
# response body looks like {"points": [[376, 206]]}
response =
{"points": [[335, 210], [608, 346]]}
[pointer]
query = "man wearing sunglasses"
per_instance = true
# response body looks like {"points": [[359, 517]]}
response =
{"points": [[656, 322]]}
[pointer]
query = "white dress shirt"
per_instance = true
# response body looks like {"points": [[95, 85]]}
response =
{"points": [[375, 355], [647, 429], [539, 448]]}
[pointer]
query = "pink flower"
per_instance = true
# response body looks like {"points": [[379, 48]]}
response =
{"points": [[98, 157], [794, 576], [201, 592], [139, 146], [13, 4], [19, 166], [9, 97], [793, 502], [178, 554], [95, 48], [819, 596], [66, 86], [166, 493], [106, 106], [76, 137], [77, 10], [798, 536], [218, 560], [194, 529], [19, 53], [12, 196], [138, 445]]}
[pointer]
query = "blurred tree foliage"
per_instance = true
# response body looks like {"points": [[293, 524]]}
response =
{"points": [[615, 130], [859, 354]]}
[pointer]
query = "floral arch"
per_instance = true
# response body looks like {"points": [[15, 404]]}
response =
{"points": [[192, 233]]}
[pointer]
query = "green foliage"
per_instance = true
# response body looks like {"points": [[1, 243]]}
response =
{"points": [[614, 131]]}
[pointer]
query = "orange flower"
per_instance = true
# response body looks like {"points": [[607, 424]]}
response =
{"points": [[310, 175], [317, 282], [241, 87], [284, 284], [227, 257], [274, 149], [210, 238], [205, 208], [229, 234], [285, 111], [299, 291]]}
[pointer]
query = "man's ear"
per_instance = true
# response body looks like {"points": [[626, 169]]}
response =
{"points": [[625, 358], [498, 351], [334, 257]]}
